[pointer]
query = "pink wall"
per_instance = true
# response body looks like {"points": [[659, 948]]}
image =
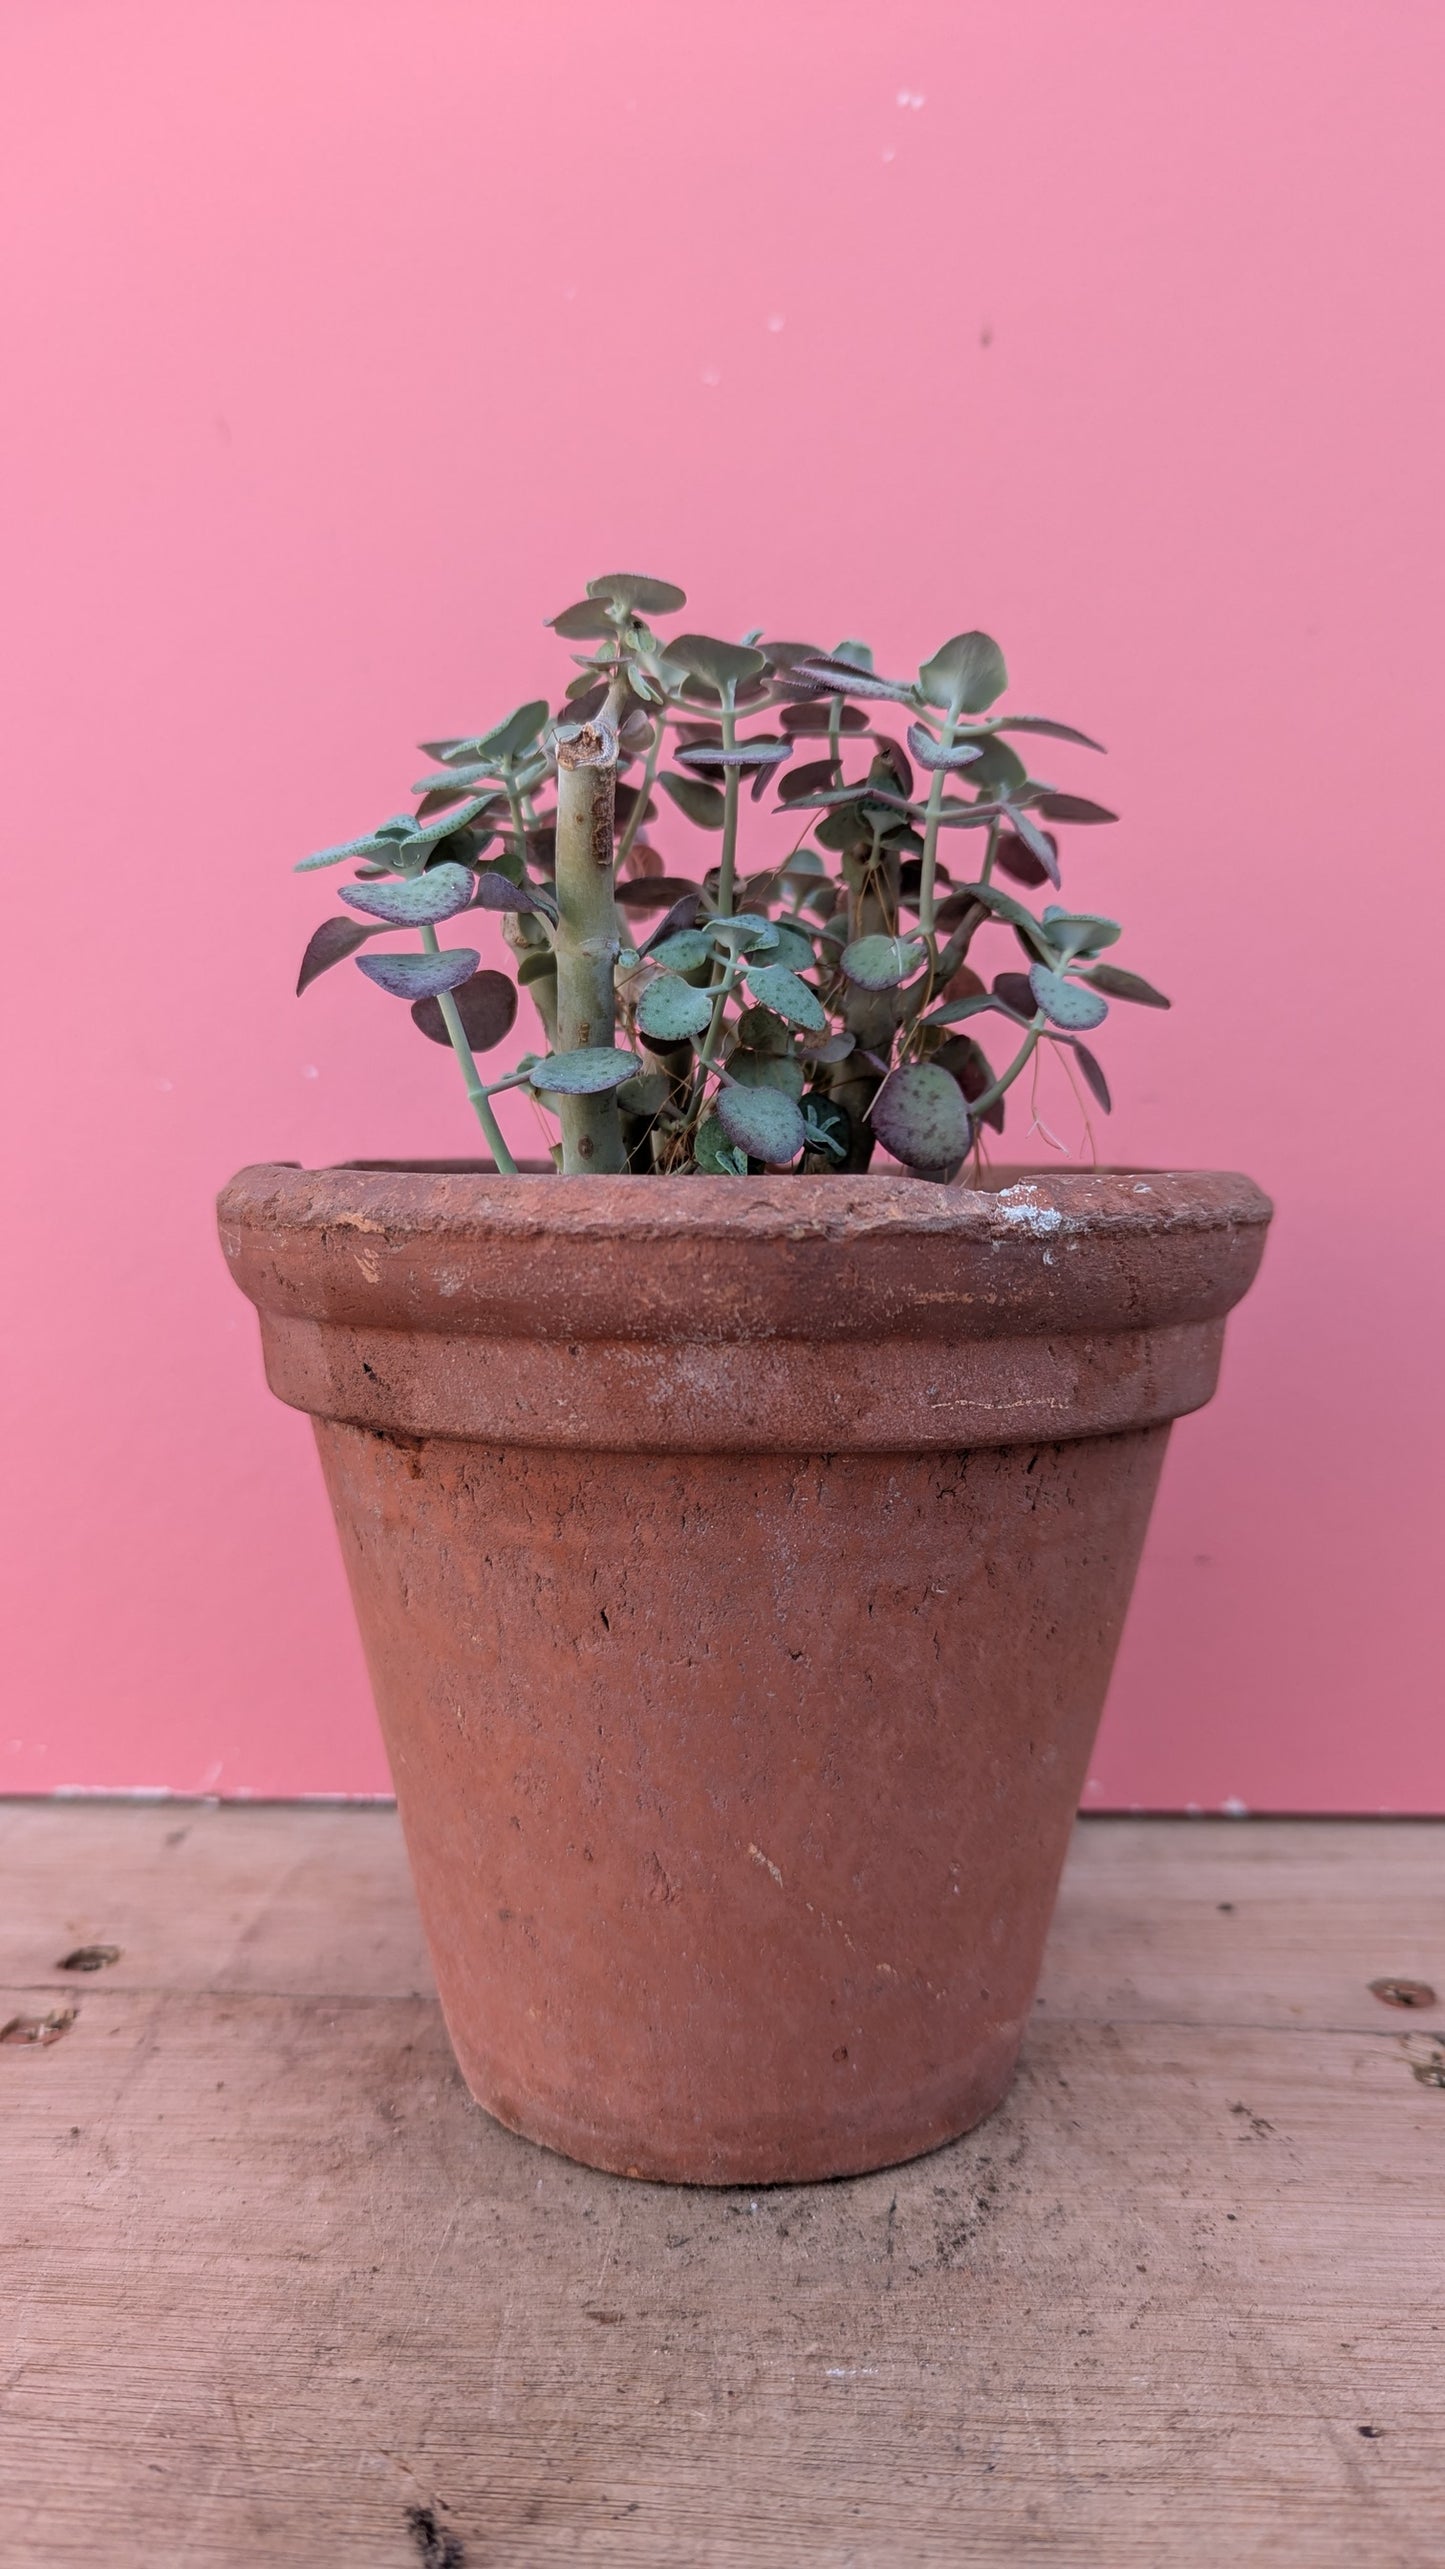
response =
{"points": [[346, 338]]}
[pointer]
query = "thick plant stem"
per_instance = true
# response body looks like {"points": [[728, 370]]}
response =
{"points": [[587, 941], [502, 1159], [727, 868], [929, 866]]}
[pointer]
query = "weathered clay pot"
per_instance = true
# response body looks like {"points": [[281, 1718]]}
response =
{"points": [[740, 1566]]}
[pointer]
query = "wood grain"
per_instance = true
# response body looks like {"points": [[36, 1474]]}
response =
{"points": [[274, 2291]]}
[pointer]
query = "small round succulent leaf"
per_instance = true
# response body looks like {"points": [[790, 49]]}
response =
{"points": [[670, 1010], [585, 1073], [920, 1116], [419, 976], [1066, 1003], [766, 1070], [684, 951], [774, 986], [486, 1005], [638, 595], [881, 963], [424, 900], [762, 1122]]}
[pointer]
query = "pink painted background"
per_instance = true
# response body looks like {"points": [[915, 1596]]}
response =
{"points": [[343, 339]]}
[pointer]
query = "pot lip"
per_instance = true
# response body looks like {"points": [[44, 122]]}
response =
{"points": [[467, 1198]]}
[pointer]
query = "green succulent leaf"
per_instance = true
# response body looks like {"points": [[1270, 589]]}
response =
{"points": [[715, 1155], [700, 803], [419, 976], [1073, 932], [1051, 730], [920, 1116], [1118, 984], [588, 621], [966, 675], [1092, 1070], [828, 1048], [1065, 1003], [766, 1070], [586, 1073], [763, 1032], [762, 1122], [931, 753], [646, 1095], [686, 951], [775, 987], [331, 943], [536, 965], [825, 1126], [1072, 807], [997, 768], [722, 666], [637, 595], [1002, 905], [792, 948], [421, 900], [486, 1005], [881, 963], [670, 1010]]}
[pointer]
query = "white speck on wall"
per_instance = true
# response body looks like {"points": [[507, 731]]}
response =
{"points": [[711, 375], [889, 154], [775, 320], [309, 1070], [164, 1084], [768, 1866], [1234, 1809], [911, 98]]}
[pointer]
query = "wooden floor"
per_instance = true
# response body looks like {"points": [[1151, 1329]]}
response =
{"points": [[273, 2291]]}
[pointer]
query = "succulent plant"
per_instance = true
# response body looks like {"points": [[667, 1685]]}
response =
{"points": [[704, 1019]]}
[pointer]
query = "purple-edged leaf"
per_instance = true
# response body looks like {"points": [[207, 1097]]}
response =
{"points": [[930, 753], [681, 918], [954, 1012], [332, 942], [705, 755], [496, 891], [1072, 807], [486, 1005], [1014, 990], [1051, 730], [421, 901], [830, 676], [588, 1073], [762, 1122], [1093, 1073], [657, 892], [966, 675], [920, 1116], [828, 1048], [1040, 845], [1065, 1003], [1011, 857], [881, 963], [1002, 905], [817, 777], [817, 717], [775, 987], [1112, 979], [419, 976]]}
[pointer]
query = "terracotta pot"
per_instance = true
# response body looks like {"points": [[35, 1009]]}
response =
{"points": [[740, 1566]]}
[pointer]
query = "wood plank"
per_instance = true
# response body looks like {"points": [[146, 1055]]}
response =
{"points": [[270, 2281]]}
